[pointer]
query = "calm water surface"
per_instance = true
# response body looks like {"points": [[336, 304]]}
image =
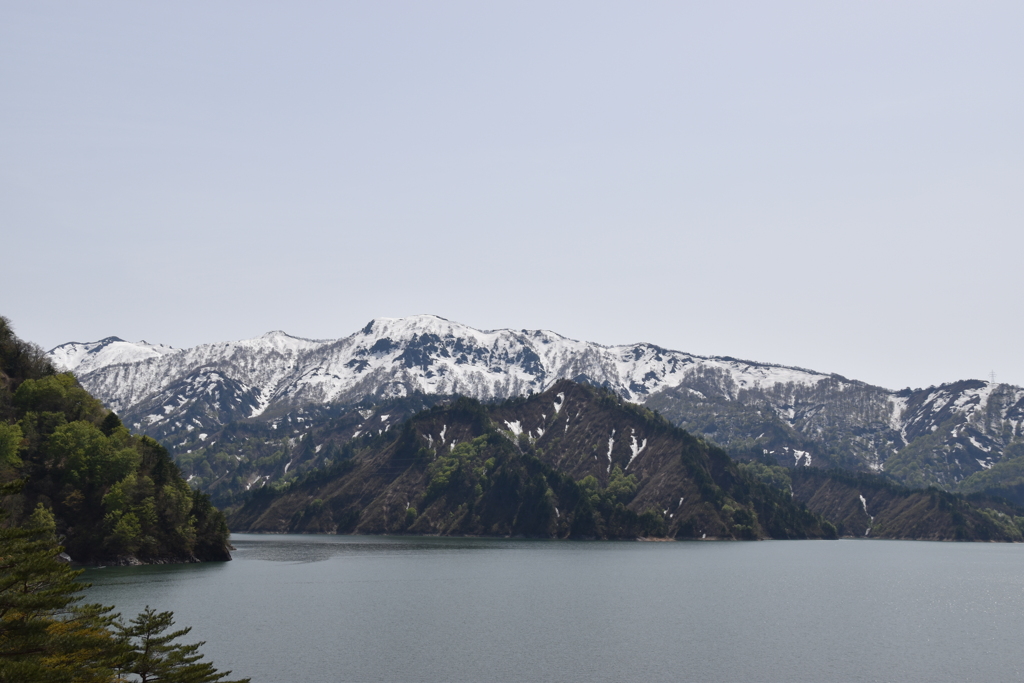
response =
{"points": [[341, 608]]}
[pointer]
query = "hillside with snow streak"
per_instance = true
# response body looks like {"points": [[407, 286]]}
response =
{"points": [[940, 435]]}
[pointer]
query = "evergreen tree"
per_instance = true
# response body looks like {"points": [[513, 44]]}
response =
{"points": [[154, 657], [45, 635]]}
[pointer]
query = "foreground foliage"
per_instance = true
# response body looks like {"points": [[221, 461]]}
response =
{"points": [[46, 635], [150, 654]]}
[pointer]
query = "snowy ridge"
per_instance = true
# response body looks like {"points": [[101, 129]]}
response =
{"points": [[84, 358], [262, 363], [397, 356]]}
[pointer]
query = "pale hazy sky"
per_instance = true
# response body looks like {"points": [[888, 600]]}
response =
{"points": [[838, 186]]}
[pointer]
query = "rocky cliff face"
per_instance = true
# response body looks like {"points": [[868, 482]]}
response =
{"points": [[935, 436]]}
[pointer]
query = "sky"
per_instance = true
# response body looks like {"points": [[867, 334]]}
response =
{"points": [[831, 185]]}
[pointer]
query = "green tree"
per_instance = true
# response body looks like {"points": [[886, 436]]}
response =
{"points": [[621, 488], [772, 475], [59, 394], [110, 423], [153, 656], [45, 635], [10, 445]]}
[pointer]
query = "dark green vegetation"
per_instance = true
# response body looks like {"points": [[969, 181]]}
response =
{"points": [[573, 462], [46, 636], [111, 496]]}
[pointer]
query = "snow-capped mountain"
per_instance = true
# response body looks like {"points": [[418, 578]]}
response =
{"points": [[395, 357], [939, 435], [84, 358]]}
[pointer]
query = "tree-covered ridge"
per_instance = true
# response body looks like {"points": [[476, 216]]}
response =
{"points": [[529, 468], [113, 496], [872, 506]]}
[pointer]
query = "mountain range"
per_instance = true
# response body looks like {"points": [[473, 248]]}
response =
{"points": [[580, 462], [548, 466], [277, 390]]}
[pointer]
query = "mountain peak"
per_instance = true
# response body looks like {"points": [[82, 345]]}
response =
{"points": [[410, 321], [418, 325], [85, 357]]}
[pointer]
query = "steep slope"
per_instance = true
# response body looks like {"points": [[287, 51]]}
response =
{"points": [[867, 505], [574, 461], [248, 454], [1005, 479], [935, 436], [927, 437]]}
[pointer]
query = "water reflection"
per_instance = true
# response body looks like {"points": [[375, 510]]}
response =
{"points": [[150, 575], [299, 549]]}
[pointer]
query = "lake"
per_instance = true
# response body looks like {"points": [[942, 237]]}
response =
{"points": [[411, 610]]}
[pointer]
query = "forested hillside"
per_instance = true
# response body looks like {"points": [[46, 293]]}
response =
{"points": [[111, 496], [573, 462], [579, 462], [872, 506], [249, 454]]}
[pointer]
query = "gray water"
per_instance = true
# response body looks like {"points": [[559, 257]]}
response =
{"points": [[341, 608]]}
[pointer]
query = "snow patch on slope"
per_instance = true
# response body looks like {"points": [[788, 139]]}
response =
{"points": [[611, 444], [634, 448]]}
